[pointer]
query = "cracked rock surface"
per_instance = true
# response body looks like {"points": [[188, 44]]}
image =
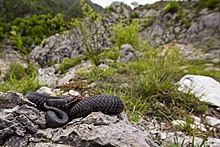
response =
{"points": [[24, 125]]}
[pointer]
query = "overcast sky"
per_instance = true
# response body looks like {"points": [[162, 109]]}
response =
{"points": [[105, 3]]}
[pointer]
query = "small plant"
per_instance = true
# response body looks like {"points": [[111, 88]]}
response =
{"points": [[68, 63], [171, 7], [89, 32]]}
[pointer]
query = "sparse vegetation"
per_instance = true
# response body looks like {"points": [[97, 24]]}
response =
{"points": [[210, 4]]}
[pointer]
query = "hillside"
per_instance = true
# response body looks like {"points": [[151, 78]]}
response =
{"points": [[10, 9]]}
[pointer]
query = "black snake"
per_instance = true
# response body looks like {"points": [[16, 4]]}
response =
{"points": [[61, 109]]}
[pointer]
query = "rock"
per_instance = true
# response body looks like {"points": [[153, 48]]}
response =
{"points": [[203, 87], [148, 13], [66, 78], [212, 142], [74, 93], [211, 21], [103, 66], [10, 100], [128, 53], [178, 123], [212, 121], [17, 141], [45, 90], [47, 77], [98, 129]]}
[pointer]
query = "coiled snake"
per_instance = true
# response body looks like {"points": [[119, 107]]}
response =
{"points": [[61, 109]]}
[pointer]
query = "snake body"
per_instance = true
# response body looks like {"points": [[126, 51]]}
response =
{"points": [[60, 110]]}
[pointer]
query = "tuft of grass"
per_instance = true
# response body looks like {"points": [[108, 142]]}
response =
{"points": [[68, 63], [17, 71], [19, 79], [28, 83]]}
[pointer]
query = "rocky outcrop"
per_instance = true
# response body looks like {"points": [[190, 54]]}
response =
{"points": [[200, 28], [24, 125]]}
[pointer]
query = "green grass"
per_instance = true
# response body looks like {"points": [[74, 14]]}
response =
{"points": [[68, 63], [147, 86], [26, 84]]}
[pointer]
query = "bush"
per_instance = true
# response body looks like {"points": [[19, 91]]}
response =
{"points": [[126, 34], [32, 30], [171, 7], [88, 31]]}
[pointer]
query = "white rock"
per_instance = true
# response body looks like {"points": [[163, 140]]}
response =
{"points": [[178, 123], [205, 88], [196, 120], [163, 135], [103, 66], [212, 121], [45, 90], [74, 93], [200, 127]]}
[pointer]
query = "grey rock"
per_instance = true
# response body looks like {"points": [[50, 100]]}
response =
{"points": [[149, 13], [103, 66], [211, 21], [66, 78], [5, 133], [16, 141], [212, 121], [26, 126], [112, 131], [10, 100], [47, 77], [128, 53]]}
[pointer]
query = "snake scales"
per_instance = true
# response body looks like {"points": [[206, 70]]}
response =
{"points": [[61, 109]]}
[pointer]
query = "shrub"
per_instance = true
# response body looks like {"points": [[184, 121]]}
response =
{"points": [[171, 7], [126, 33], [88, 31]]}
